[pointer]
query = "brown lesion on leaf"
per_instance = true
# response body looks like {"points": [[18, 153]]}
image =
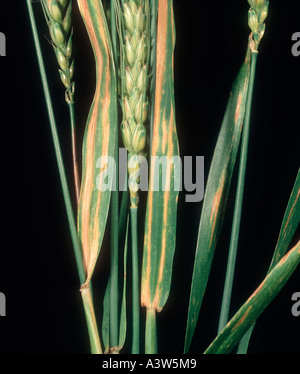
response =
{"points": [[215, 207], [238, 107], [242, 319], [283, 260], [248, 54], [257, 291], [246, 84], [292, 209]]}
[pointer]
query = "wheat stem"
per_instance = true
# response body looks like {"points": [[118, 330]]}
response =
{"points": [[87, 301], [150, 335], [135, 284]]}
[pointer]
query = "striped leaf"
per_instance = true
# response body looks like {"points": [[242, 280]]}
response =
{"points": [[99, 138], [288, 228], [160, 225], [290, 223], [217, 188], [256, 304]]}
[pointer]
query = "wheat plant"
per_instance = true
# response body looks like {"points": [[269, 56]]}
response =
{"points": [[133, 105]]}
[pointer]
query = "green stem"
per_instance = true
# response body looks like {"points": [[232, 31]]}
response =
{"points": [[88, 306], [114, 264], [114, 278], [123, 215], [86, 294], [74, 152], [238, 202], [135, 284], [151, 338], [244, 342]]}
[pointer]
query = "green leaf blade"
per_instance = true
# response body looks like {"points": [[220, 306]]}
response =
{"points": [[288, 228], [226, 341], [289, 224], [215, 198]]}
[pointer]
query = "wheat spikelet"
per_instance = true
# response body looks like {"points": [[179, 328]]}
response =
{"points": [[59, 20]]}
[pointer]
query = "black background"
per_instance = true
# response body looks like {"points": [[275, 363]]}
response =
{"points": [[37, 266]]}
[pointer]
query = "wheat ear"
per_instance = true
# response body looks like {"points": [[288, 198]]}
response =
{"points": [[135, 101], [59, 20], [256, 17]]}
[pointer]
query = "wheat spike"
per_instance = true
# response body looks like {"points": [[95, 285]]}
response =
{"points": [[136, 104], [59, 20], [256, 16]]}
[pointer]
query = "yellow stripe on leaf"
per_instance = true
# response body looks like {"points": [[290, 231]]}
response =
{"points": [[161, 215], [99, 137]]}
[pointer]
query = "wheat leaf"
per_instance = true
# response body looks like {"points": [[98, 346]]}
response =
{"points": [[288, 228], [99, 138], [289, 224], [256, 304], [217, 189], [161, 215]]}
